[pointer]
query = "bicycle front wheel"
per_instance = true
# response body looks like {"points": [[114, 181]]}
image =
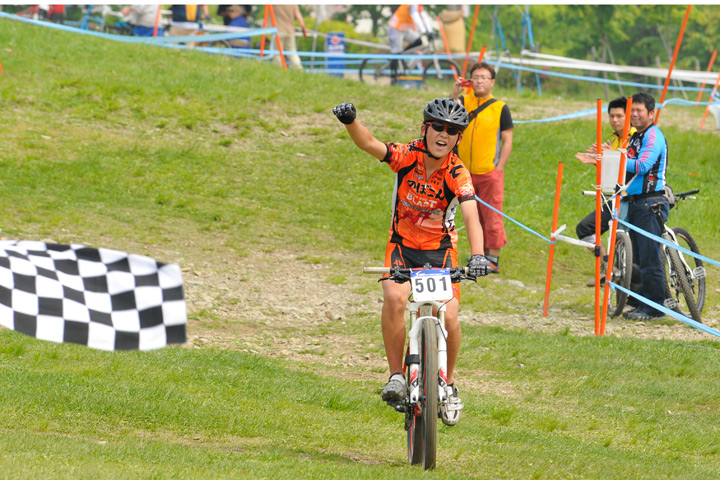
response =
{"points": [[621, 270], [375, 72], [367, 70], [429, 401], [696, 276], [680, 285], [440, 72]]}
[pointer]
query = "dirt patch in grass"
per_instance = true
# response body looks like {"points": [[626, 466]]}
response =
{"points": [[297, 314]]}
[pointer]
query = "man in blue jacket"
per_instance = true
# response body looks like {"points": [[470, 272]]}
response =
{"points": [[647, 157]]}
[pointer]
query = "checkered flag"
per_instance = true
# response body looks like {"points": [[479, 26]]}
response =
{"points": [[105, 299]]}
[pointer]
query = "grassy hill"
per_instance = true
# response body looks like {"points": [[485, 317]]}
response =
{"points": [[231, 167]]}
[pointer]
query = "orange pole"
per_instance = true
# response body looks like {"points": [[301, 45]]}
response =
{"points": [[482, 54], [616, 203], [709, 69], [444, 39], [1, 68], [472, 32], [707, 108], [672, 63], [262, 41], [157, 21], [598, 208], [277, 37], [556, 208]]}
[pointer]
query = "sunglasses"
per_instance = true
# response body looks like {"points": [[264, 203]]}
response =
{"points": [[439, 127]]}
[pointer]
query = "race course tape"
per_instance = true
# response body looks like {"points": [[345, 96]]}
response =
{"points": [[593, 111], [146, 40], [667, 311], [330, 58], [669, 244], [513, 220]]}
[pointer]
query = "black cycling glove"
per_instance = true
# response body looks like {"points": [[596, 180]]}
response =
{"points": [[345, 112], [479, 266]]}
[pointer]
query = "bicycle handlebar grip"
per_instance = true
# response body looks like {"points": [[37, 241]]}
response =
{"points": [[685, 194], [376, 270]]}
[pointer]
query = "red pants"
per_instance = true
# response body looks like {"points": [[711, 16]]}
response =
{"points": [[490, 188]]}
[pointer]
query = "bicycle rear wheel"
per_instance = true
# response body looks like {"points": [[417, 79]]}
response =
{"points": [[621, 270]]}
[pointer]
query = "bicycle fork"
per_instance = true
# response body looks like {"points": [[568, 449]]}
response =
{"points": [[413, 358]]}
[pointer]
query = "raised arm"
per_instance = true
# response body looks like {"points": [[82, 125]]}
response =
{"points": [[345, 112]]}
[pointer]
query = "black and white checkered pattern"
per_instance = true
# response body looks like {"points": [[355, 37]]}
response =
{"points": [[105, 299]]}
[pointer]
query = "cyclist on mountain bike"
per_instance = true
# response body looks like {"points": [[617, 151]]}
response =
{"points": [[430, 183], [407, 24]]}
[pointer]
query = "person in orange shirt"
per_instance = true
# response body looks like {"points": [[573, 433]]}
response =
{"points": [[431, 182], [407, 24]]}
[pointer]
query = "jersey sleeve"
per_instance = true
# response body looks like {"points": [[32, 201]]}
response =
{"points": [[398, 155], [461, 183], [506, 122]]}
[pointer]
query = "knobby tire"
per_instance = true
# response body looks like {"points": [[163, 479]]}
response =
{"points": [[429, 387], [683, 285], [446, 66], [366, 70], [697, 284]]}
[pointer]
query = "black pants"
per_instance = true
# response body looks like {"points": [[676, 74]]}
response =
{"points": [[586, 227]]}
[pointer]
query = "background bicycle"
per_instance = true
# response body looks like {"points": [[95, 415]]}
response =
{"points": [[435, 70], [685, 274]]}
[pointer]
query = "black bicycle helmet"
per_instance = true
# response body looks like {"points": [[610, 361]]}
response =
{"points": [[448, 111]]}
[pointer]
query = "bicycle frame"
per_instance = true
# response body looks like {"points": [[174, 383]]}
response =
{"points": [[694, 273], [419, 312]]}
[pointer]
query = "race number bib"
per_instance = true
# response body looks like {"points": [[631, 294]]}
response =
{"points": [[432, 284]]}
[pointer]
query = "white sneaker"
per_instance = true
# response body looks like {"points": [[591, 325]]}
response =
{"points": [[450, 411], [395, 390]]}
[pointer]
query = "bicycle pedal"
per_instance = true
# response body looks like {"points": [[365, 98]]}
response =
{"points": [[398, 406], [698, 272], [670, 303]]}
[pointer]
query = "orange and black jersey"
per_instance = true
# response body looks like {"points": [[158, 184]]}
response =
{"points": [[423, 209]]}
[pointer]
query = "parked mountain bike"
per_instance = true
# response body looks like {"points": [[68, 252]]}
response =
{"points": [[685, 275], [684, 278], [377, 71], [426, 358]]}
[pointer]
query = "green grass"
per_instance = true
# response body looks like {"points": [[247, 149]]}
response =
{"points": [[187, 156]]}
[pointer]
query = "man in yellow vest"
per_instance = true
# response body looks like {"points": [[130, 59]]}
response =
{"points": [[485, 149]]}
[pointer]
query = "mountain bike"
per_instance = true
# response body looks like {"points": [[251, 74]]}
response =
{"points": [[376, 71], [426, 357], [685, 279]]}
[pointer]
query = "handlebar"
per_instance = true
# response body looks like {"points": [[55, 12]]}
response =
{"points": [[397, 273], [684, 195], [406, 271]]}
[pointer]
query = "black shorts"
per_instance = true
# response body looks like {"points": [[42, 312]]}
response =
{"points": [[398, 256]]}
